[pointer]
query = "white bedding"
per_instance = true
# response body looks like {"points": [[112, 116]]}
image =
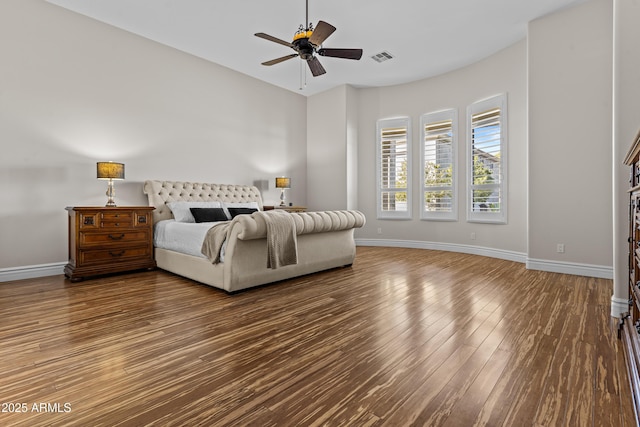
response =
{"points": [[183, 237]]}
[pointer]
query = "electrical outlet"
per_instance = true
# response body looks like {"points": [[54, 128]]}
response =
{"points": [[473, 235], [379, 230], [560, 248]]}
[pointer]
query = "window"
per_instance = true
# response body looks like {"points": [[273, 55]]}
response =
{"points": [[438, 165], [487, 155], [394, 168]]}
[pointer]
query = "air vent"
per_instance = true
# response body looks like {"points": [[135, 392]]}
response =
{"points": [[382, 56]]}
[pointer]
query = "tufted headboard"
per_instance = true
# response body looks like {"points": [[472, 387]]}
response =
{"points": [[162, 192]]}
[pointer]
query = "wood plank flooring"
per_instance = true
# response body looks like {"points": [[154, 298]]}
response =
{"points": [[404, 337]]}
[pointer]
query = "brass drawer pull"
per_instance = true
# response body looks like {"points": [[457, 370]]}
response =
{"points": [[116, 254], [112, 237]]}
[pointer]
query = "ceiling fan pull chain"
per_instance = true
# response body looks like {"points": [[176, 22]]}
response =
{"points": [[303, 75]]}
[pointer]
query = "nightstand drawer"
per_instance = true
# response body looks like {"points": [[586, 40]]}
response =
{"points": [[94, 220], [122, 254], [116, 219], [112, 237], [117, 216]]}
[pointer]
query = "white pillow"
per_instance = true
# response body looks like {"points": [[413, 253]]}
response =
{"points": [[182, 213], [227, 205]]}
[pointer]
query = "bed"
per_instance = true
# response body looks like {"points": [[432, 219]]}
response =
{"points": [[324, 240]]}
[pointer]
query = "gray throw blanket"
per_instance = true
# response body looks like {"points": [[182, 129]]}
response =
{"points": [[214, 240], [282, 243]]}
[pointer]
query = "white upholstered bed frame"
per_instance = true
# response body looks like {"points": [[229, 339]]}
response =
{"points": [[325, 239]]}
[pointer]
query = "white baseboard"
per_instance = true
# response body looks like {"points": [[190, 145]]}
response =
{"points": [[574, 268], [532, 264], [450, 247], [31, 271]]}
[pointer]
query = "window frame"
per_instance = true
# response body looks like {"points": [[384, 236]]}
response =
{"points": [[380, 125], [497, 101], [430, 118]]}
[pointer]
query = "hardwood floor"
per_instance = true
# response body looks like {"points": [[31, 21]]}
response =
{"points": [[403, 337]]}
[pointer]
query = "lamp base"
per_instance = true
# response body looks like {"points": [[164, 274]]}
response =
{"points": [[282, 203], [111, 203]]}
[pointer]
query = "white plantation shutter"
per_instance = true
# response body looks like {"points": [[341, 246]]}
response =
{"points": [[487, 155], [394, 168], [438, 165]]}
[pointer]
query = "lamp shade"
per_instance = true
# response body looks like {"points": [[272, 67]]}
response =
{"points": [[110, 170], [283, 182]]}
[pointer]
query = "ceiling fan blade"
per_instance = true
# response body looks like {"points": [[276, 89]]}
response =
{"points": [[279, 60], [316, 67], [273, 39], [321, 32], [341, 53]]}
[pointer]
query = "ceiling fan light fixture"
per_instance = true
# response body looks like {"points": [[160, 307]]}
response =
{"points": [[303, 33]]}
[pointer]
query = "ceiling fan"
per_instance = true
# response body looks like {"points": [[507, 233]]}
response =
{"points": [[307, 42]]}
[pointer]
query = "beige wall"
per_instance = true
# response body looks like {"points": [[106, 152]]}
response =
{"points": [[332, 149], [74, 91], [570, 93], [326, 149], [559, 88], [504, 72]]}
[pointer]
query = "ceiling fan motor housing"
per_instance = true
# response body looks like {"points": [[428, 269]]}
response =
{"points": [[304, 48]]}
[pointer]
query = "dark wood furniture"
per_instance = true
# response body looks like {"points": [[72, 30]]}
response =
{"points": [[629, 330], [287, 208], [106, 240]]}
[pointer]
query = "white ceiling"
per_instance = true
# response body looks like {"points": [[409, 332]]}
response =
{"points": [[426, 37]]}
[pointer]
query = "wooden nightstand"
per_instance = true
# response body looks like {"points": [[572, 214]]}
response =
{"points": [[106, 240], [287, 208]]}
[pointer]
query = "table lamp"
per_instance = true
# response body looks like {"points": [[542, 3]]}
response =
{"points": [[110, 171]]}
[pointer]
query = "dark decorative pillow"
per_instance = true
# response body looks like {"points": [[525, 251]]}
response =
{"points": [[208, 214], [240, 211]]}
